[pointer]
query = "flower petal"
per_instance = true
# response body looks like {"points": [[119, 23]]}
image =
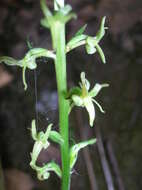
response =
{"points": [[100, 107], [94, 92], [75, 150], [90, 109]]}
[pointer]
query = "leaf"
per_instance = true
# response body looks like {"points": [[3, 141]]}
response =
{"points": [[56, 137], [81, 30], [74, 150]]}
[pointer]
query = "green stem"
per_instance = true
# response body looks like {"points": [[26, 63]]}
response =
{"points": [[58, 37]]}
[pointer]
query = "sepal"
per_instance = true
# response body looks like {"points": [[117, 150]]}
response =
{"points": [[56, 137], [97, 88], [81, 30], [74, 150]]}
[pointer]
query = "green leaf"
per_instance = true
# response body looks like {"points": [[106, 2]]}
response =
{"points": [[81, 30], [75, 150], [56, 137]]}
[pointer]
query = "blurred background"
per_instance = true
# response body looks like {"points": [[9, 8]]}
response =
{"points": [[114, 162]]}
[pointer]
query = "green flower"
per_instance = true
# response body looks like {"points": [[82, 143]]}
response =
{"points": [[92, 43], [41, 142], [81, 96], [29, 61]]}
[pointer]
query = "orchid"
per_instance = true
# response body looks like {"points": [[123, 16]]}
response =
{"points": [[41, 142], [56, 20], [81, 96], [29, 61]]}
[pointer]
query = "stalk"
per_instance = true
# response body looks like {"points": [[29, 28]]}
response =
{"points": [[58, 37]]}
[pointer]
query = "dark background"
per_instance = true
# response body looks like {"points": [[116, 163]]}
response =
{"points": [[115, 161]]}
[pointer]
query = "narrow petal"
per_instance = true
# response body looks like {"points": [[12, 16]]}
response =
{"points": [[100, 107], [24, 79], [102, 55]]}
